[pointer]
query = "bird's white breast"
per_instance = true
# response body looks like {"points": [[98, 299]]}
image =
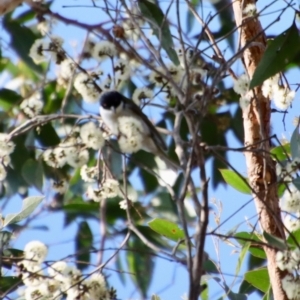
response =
{"points": [[110, 118]]}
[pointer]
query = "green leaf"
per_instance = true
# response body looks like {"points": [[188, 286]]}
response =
{"points": [[281, 152], [159, 24], [11, 257], [167, 229], [119, 266], [258, 252], [259, 278], [8, 284], [22, 39], [237, 182], [140, 263], [47, 136], [210, 267], [204, 293], [190, 18], [268, 295], [5, 237], [296, 183], [83, 244], [149, 181], [279, 53], [293, 239], [275, 241], [244, 237], [155, 297], [295, 143], [226, 21], [32, 172], [235, 296], [246, 288], [242, 256], [8, 99], [29, 205]]}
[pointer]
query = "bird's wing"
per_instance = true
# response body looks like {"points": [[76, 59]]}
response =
{"points": [[153, 131]]}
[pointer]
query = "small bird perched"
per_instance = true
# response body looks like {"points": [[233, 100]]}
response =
{"points": [[132, 127]]}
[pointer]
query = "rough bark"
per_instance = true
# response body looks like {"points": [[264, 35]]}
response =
{"points": [[256, 119]]}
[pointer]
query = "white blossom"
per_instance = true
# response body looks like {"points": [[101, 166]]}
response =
{"points": [[44, 27], [96, 286], [37, 292], [109, 189], [241, 85], [56, 157], [58, 268], [94, 194], [67, 68], [3, 172], [270, 85], [283, 97], [38, 50], [85, 85], [284, 261], [250, 10], [290, 201], [78, 159], [92, 136], [6, 146], [104, 50], [131, 134], [140, 94], [32, 273], [291, 286], [89, 174], [33, 105], [123, 204], [60, 186], [36, 251], [291, 224], [122, 70], [5, 160]]}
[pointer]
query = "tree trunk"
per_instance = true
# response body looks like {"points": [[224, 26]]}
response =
{"points": [[256, 118]]}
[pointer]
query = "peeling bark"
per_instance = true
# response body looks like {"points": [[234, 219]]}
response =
{"points": [[256, 119]]}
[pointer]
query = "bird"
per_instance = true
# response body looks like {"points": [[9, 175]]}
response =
{"points": [[113, 106]]}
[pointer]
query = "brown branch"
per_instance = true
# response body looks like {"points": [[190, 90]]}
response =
{"points": [[256, 118]]}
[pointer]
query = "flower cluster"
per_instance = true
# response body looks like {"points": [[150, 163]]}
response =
{"points": [[41, 49], [73, 150], [61, 280], [109, 189], [131, 134], [6, 148], [161, 78], [291, 286], [289, 260], [281, 95], [288, 170], [241, 86], [33, 105], [140, 94], [290, 203]]}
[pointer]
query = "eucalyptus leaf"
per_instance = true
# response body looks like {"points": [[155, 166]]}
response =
{"points": [[167, 228], [159, 24], [295, 143], [259, 278], [29, 205], [236, 181], [279, 53]]}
